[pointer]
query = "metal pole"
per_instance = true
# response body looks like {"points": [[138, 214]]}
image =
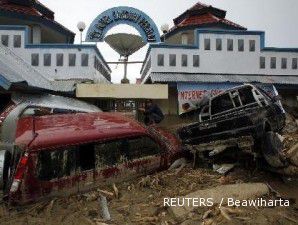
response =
{"points": [[125, 67], [81, 35]]}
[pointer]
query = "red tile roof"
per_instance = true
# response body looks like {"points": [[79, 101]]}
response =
{"points": [[207, 18], [12, 7]]}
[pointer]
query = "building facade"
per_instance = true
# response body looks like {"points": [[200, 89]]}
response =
{"points": [[204, 53], [29, 34]]}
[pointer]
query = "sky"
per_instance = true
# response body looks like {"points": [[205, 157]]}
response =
{"points": [[278, 18]]}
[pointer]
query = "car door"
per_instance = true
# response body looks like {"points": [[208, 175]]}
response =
{"points": [[56, 172], [143, 156]]}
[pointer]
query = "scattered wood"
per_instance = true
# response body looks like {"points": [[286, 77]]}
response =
{"points": [[289, 218], [207, 214], [224, 213], [104, 208], [116, 191], [106, 193]]}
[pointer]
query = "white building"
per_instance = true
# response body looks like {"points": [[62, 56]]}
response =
{"points": [[204, 52], [29, 33]]}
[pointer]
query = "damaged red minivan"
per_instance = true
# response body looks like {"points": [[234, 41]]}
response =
{"points": [[59, 155]]}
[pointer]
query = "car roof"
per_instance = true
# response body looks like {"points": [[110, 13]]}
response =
{"points": [[54, 131], [232, 89]]}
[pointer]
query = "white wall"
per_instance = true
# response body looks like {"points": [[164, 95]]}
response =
{"points": [[224, 62], [64, 72]]}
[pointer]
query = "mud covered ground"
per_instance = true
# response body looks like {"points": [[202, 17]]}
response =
{"points": [[141, 202]]}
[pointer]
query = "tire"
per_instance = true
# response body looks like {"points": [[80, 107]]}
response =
{"points": [[272, 150], [5, 169]]}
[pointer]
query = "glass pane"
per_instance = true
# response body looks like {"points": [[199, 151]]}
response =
{"points": [[85, 59], [59, 59], [218, 44], [196, 60], [34, 59], [72, 59], [230, 45], [273, 63], [172, 60], [47, 59], [184, 60], [241, 45], [294, 63], [284, 63], [262, 62], [160, 60], [252, 45], [207, 44], [4, 40], [17, 41]]}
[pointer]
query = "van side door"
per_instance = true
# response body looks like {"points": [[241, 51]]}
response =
{"points": [[55, 173]]}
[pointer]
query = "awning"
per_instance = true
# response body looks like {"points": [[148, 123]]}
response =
{"points": [[219, 78]]}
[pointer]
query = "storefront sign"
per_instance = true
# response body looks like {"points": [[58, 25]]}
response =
{"points": [[193, 96], [123, 15]]}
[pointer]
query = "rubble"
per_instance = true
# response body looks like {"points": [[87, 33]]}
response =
{"points": [[219, 195]]}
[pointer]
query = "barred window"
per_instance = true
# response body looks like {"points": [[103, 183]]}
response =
{"points": [[59, 59], [240, 45], [172, 60], [262, 62], [160, 59], [184, 60], [47, 59], [284, 63], [17, 41], [72, 59], [196, 61], [273, 63], [294, 63], [4, 40], [207, 44], [230, 44], [84, 59], [218, 44], [35, 59], [252, 45]]}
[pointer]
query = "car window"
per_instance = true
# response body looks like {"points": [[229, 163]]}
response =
{"points": [[142, 147], [55, 164], [86, 157], [221, 103], [120, 151], [246, 95], [236, 99]]}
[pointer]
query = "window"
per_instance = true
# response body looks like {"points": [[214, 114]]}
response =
{"points": [[262, 62], [196, 61], [207, 44], [160, 60], [59, 59], [218, 44], [230, 45], [236, 98], [184, 60], [294, 63], [17, 41], [252, 45], [108, 154], [273, 63], [240, 45], [35, 59], [172, 60], [86, 157], [56, 164], [4, 40], [142, 147], [47, 59], [221, 103], [284, 63], [84, 59], [246, 95], [72, 59]]}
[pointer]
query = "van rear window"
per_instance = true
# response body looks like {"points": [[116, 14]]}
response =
{"points": [[55, 164]]}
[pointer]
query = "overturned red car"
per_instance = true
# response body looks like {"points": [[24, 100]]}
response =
{"points": [[58, 155]]}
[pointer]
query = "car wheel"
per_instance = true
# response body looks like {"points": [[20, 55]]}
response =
{"points": [[5, 158], [272, 150]]}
